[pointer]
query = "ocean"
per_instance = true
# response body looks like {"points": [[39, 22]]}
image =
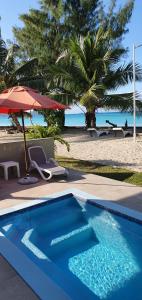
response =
{"points": [[118, 118]]}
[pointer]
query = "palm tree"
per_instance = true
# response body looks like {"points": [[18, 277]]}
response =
{"points": [[12, 74], [89, 70]]}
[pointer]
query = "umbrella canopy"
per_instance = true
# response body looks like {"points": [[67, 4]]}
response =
{"points": [[20, 98]]}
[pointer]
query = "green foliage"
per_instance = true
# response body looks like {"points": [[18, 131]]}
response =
{"points": [[38, 132], [11, 73], [47, 30], [85, 77], [53, 117], [53, 130], [90, 67], [63, 142]]}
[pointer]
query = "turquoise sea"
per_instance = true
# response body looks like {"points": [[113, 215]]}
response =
{"points": [[118, 118]]}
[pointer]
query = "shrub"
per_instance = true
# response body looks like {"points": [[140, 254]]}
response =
{"points": [[38, 132]]}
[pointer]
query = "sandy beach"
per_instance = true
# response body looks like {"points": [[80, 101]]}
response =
{"points": [[108, 150]]}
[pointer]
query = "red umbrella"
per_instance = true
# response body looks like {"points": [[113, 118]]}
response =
{"points": [[21, 98], [24, 98]]}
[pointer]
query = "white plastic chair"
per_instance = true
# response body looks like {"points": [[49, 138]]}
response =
{"points": [[44, 166]]}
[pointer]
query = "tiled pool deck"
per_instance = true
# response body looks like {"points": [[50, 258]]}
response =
{"points": [[11, 285]]}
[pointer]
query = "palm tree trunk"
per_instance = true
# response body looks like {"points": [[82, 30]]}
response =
{"points": [[90, 119], [16, 122]]}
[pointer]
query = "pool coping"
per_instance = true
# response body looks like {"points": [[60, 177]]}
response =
{"points": [[106, 204], [40, 282]]}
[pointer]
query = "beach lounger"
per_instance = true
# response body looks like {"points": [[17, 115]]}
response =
{"points": [[125, 133], [46, 167], [97, 132]]}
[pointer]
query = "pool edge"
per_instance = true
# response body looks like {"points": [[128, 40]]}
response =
{"points": [[7, 248], [105, 204]]}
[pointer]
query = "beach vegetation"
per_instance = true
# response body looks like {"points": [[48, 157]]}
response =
{"points": [[47, 32], [38, 132], [90, 71], [53, 117], [13, 73], [44, 34]]}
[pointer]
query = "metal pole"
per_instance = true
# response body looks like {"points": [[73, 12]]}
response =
{"points": [[134, 95], [25, 143]]}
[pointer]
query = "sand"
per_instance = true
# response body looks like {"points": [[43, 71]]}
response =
{"points": [[109, 150]]}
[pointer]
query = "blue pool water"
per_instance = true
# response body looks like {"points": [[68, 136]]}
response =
{"points": [[88, 251]]}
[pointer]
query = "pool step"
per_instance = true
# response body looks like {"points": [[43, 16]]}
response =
{"points": [[70, 234], [62, 229], [69, 243], [52, 207], [57, 224]]}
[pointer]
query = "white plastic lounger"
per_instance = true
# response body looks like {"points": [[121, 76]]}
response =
{"points": [[44, 166], [98, 132], [125, 133]]}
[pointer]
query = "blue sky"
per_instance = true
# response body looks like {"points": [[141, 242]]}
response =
{"points": [[10, 11]]}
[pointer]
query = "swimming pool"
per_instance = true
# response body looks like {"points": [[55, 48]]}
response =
{"points": [[69, 247]]}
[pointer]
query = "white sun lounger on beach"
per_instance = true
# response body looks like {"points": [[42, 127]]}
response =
{"points": [[124, 132], [97, 132], [44, 166]]}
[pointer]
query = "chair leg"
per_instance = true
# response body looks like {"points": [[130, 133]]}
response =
{"points": [[6, 173], [66, 173], [43, 176], [18, 171], [47, 178]]}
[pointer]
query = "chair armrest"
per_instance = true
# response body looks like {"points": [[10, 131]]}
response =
{"points": [[34, 163], [54, 161]]}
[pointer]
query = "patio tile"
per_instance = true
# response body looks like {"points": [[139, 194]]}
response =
{"points": [[12, 286]]}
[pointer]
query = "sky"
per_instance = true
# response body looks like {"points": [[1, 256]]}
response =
{"points": [[10, 11]]}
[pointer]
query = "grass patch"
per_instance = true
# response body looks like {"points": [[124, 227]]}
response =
{"points": [[101, 170]]}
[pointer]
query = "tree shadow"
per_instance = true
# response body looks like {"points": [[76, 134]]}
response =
{"points": [[10, 187], [114, 163], [120, 176], [93, 167]]}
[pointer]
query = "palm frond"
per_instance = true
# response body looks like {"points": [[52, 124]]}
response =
{"points": [[25, 69], [90, 69], [64, 54], [123, 102], [122, 76], [92, 97]]}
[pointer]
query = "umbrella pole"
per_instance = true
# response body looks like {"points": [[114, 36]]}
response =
{"points": [[25, 143], [27, 179]]}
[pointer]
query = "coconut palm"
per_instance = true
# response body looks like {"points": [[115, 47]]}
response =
{"points": [[89, 70], [11, 74]]}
